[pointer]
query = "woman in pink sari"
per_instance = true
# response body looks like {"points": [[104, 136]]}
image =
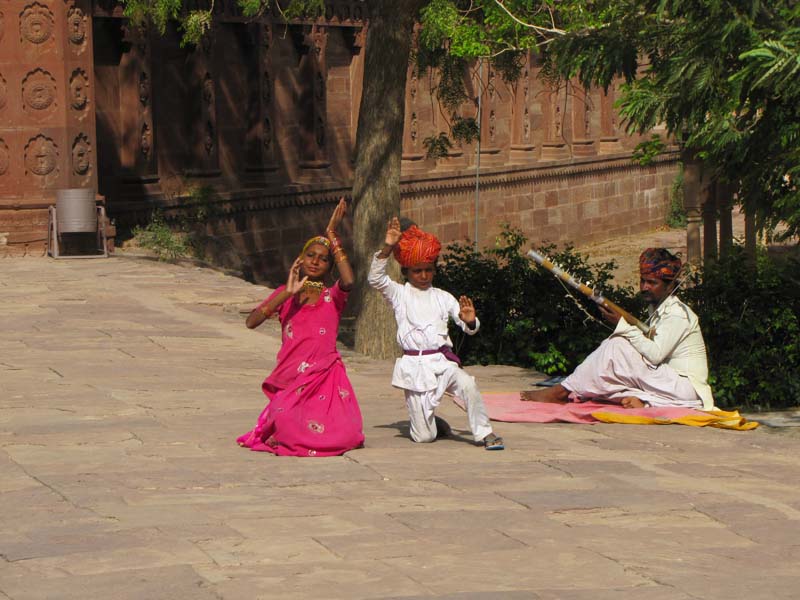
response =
{"points": [[312, 408]]}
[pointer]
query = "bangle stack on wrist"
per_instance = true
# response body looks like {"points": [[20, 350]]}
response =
{"points": [[266, 311]]}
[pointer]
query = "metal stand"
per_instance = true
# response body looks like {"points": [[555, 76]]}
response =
{"points": [[54, 236]]}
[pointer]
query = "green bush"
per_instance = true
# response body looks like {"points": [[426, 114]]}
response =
{"points": [[751, 324], [749, 317], [527, 316], [160, 239]]}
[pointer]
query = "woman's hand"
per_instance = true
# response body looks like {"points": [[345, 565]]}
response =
{"points": [[336, 217], [393, 232], [294, 283], [467, 312]]}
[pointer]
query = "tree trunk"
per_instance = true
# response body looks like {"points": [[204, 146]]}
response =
{"points": [[376, 183]]}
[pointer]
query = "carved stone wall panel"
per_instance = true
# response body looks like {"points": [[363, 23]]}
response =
{"points": [[39, 94], [77, 36], [37, 29], [584, 130], [42, 160], [81, 160], [522, 136]]}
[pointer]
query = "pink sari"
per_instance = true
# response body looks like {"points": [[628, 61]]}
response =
{"points": [[312, 408]]}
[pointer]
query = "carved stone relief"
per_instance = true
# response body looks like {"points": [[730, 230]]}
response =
{"points": [[78, 90], [492, 126], [41, 156], [145, 141], [2, 25], [3, 92], [38, 91], [144, 88], [81, 155], [4, 158], [36, 23], [414, 132], [76, 26]]}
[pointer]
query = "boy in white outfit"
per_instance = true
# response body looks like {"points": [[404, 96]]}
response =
{"points": [[428, 367]]}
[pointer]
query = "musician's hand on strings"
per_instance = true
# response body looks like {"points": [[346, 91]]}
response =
{"points": [[467, 312], [609, 315]]}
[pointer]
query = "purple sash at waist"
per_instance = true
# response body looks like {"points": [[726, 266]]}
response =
{"points": [[446, 350]]}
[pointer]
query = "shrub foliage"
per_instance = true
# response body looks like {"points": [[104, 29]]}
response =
{"points": [[749, 316], [528, 318]]}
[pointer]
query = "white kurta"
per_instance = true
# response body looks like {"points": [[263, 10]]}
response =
{"points": [[677, 344], [422, 318]]}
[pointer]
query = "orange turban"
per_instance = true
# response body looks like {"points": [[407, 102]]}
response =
{"points": [[416, 246], [660, 263]]}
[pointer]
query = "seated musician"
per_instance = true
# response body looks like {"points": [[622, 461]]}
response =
{"points": [[668, 368]]}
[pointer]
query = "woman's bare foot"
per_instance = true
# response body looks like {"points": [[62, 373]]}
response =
{"points": [[555, 395]]}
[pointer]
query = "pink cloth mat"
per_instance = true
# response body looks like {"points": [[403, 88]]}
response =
{"points": [[509, 408]]}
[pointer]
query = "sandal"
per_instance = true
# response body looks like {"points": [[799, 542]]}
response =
{"points": [[492, 442]]}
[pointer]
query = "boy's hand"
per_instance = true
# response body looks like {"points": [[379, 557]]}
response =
{"points": [[393, 232], [467, 312]]}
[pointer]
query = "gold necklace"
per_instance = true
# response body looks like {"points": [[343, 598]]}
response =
{"points": [[316, 286]]}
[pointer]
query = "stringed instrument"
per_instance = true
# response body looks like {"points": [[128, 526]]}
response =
{"points": [[589, 292]]}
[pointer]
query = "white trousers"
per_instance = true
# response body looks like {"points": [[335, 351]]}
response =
{"points": [[616, 370], [421, 405]]}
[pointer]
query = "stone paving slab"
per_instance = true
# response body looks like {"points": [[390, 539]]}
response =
{"points": [[124, 383]]}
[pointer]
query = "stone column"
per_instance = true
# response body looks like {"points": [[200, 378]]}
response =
{"points": [[413, 158], [609, 136], [138, 156], [583, 132], [205, 146], [261, 130], [554, 146], [522, 144], [691, 202], [47, 125], [314, 131]]}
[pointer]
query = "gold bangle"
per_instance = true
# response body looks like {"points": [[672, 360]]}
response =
{"points": [[266, 311], [341, 257]]}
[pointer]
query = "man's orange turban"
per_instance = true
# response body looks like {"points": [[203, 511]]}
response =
{"points": [[660, 263], [416, 246]]}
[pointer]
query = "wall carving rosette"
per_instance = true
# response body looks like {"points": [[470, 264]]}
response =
{"points": [[39, 92], [41, 156], [76, 28], [36, 24], [79, 90], [81, 155]]}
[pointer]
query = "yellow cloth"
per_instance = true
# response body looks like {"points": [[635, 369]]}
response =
{"points": [[713, 418]]}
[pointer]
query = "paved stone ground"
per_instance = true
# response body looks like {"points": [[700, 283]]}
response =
{"points": [[124, 382]]}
